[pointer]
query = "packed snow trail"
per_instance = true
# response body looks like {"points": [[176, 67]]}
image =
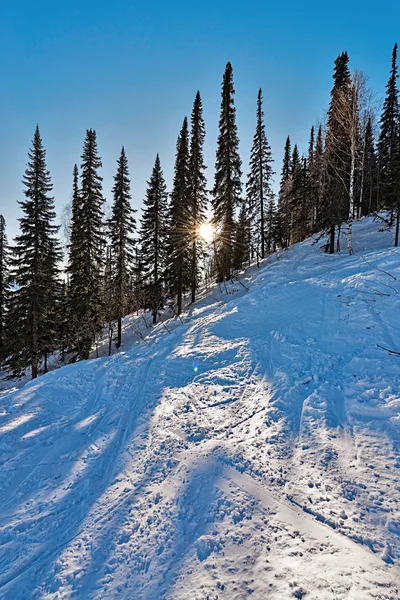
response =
{"points": [[255, 450]]}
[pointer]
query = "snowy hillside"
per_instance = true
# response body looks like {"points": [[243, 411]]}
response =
{"points": [[253, 451]]}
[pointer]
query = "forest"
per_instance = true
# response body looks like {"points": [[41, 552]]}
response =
{"points": [[54, 302]]}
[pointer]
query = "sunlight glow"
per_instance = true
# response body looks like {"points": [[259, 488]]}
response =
{"points": [[206, 232]]}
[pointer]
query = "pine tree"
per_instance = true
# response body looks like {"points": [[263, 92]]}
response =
{"points": [[227, 185], [198, 192], [283, 213], [4, 283], [336, 199], [258, 186], [153, 239], [35, 269], [122, 226], [87, 249], [388, 143]]}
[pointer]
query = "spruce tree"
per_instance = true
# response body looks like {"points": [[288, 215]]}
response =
{"points": [[153, 239], [4, 283], [388, 143], [227, 184], [87, 249], [318, 179], [258, 186], [122, 226], [368, 184], [337, 158], [180, 221], [283, 213], [241, 251], [35, 269], [198, 191]]}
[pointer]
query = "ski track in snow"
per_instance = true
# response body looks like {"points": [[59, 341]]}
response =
{"points": [[254, 451]]}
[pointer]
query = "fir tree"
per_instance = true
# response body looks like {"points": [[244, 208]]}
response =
{"points": [[259, 181], [35, 258], [198, 192], [4, 283], [227, 185], [283, 224], [122, 226], [388, 144], [318, 178], [368, 185], [241, 251], [153, 239], [87, 249], [337, 159], [180, 220]]}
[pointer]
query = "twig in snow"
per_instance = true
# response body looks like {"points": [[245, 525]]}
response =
{"points": [[388, 350], [375, 267]]}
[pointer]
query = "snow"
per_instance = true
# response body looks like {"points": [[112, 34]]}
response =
{"points": [[252, 451]]}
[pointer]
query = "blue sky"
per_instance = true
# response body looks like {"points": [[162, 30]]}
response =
{"points": [[131, 70]]}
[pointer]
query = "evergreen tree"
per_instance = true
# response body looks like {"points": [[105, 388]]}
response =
{"points": [[299, 199], [368, 185], [337, 159], [227, 185], [87, 249], [241, 250], [35, 258], [283, 225], [198, 192], [259, 182], [180, 220], [312, 183], [4, 283], [388, 144], [318, 179], [153, 239], [122, 226], [270, 223]]}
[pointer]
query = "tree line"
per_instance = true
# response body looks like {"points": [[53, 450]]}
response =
{"points": [[117, 265]]}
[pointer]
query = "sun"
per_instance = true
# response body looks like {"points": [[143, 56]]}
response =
{"points": [[206, 232]]}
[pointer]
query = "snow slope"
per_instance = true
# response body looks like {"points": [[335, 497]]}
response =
{"points": [[253, 451]]}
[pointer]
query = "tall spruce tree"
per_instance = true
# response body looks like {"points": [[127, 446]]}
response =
{"points": [[122, 226], [4, 283], [35, 269], [180, 220], [368, 184], [198, 191], [335, 207], [388, 144], [153, 239], [258, 186], [241, 251], [227, 185], [283, 213], [318, 179], [87, 249]]}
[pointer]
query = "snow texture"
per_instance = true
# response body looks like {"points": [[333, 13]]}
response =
{"points": [[250, 450]]}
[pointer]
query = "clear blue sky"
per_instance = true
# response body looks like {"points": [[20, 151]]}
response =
{"points": [[131, 70]]}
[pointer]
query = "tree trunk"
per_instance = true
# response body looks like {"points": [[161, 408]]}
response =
{"points": [[396, 237], [332, 240], [119, 332]]}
